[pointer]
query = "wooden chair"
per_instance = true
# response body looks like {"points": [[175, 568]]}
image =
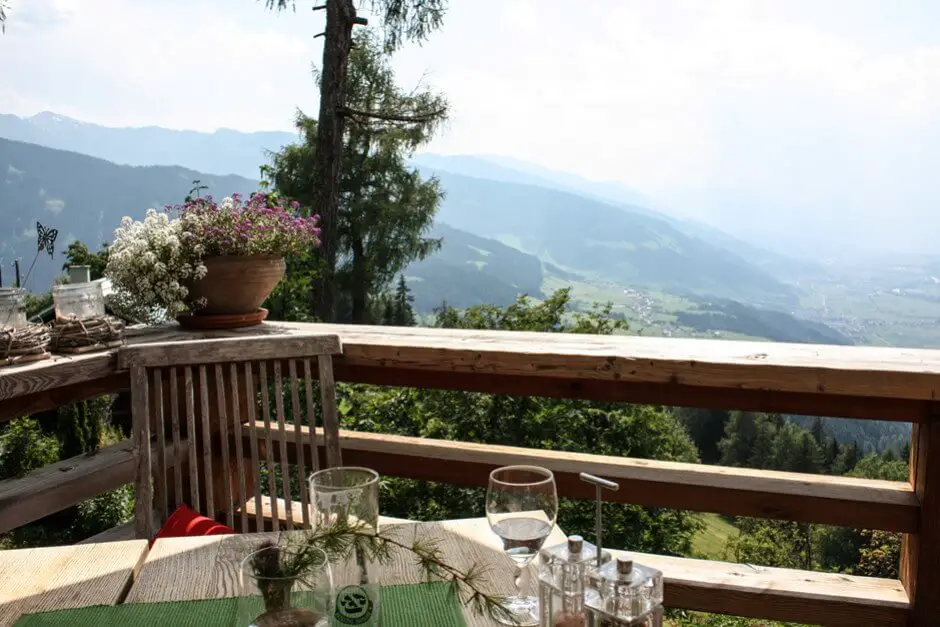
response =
{"points": [[204, 434]]}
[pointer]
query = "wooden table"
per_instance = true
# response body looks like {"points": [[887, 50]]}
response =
{"points": [[188, 569], [59, 578]]}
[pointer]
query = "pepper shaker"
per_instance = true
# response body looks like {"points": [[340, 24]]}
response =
{"points": [[625, 594], [562, 571]]}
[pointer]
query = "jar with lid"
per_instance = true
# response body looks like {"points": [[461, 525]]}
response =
{"points": [[12, 308], [78, 301], [625, 594], [562, 572]]}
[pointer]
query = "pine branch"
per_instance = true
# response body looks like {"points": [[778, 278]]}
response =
{"points": [[396, 117], [340, 539]]}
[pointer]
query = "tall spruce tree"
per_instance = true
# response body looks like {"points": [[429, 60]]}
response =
{"points": [[401, 20], [386, 206], [403, 307], [818, 431]]}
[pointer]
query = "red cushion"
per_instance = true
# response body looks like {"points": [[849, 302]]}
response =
{"points": [[186, 522]]}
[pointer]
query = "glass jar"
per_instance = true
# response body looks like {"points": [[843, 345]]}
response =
{"points": [[349, 496], [12, 308], [625, 594], [78, 301], [285, 585]]}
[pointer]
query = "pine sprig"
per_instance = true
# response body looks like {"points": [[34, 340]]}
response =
{"points": [[341, 538]]}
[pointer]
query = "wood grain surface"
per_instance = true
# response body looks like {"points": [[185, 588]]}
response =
{"points": [[58, 578]]}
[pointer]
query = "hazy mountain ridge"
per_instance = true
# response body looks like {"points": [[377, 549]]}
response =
{"points": [[587, 236], [222, 152], [514, 171]]}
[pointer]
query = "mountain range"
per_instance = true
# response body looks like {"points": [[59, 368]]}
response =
{"points": [[84, 198], [222, 152], [506, 225]]}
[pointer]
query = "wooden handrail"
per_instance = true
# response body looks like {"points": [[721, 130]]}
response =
{"points": [[66, 483], [824, 499], [845, 381]]}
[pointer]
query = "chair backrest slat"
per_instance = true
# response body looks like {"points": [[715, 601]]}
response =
{"points": [[311, 416], [299, 439], [192, 403], [160, 488], [238, 433], [255, 455], [282, 432], [269, 446], [175, 428], [330, 418], [140, 406], [209, 508], [223, 433], [192, 462]]}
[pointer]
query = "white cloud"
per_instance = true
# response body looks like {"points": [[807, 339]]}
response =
{"points": [[55, 206], [830, 108]]}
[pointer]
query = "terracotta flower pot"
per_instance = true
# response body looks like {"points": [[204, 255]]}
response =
{"points": [[236, 285]]}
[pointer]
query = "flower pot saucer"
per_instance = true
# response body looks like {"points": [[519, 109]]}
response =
{"points": [[215, 322]]}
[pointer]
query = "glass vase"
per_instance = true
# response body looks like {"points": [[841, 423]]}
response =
{"points": [[12, 308], [350, 496], [78, 301], [285, 586]]}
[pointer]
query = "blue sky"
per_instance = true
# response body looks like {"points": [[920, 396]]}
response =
{"points": [[827, 110]]}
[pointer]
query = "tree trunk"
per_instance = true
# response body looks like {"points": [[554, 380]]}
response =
{"points": [[358, 285], [327, 160]]}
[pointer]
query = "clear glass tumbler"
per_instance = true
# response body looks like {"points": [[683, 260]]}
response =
{"points": [[350, 496], [286, 585]]}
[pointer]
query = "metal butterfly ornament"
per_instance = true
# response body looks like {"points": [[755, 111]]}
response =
{"points": [[45, 239]]}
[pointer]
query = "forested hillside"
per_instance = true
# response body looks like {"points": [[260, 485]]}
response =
{"points": [[470, 270], [83, 197]]}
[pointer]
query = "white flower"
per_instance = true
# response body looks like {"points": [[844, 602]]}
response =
{"points": [[147, 263]]}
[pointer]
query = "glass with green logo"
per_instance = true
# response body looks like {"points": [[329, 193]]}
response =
{"points": [[350, 496]]}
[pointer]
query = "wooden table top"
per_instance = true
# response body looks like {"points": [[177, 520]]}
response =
{"points": [[67, 577], [187, 569]]}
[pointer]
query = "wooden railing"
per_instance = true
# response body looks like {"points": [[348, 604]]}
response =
{"points": [[858, 382]]}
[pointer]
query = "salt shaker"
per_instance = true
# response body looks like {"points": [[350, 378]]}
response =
{"points": [[562, 571], [622, 593]]}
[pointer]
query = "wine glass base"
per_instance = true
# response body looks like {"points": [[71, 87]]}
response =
{"points": [[523, 610]]}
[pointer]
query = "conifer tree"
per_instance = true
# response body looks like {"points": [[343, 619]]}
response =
{"points": [[401, 20], [387, 207]]}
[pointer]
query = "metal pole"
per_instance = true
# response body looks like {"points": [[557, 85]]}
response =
{"points": [[16, 264], [599, 484]]}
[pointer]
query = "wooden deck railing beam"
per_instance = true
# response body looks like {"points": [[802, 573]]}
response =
{"points": [[842, 381], [670, 394], [66, 483], [62, 396], [888, 505], [779, 593]]}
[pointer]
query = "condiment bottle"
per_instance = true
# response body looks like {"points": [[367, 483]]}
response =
{"points": [[622, 593]]}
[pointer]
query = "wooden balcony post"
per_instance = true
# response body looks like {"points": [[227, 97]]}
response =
{"points": [[920, 553]]}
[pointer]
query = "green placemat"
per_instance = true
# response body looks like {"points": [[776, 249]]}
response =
{"points": [[402, 606]]}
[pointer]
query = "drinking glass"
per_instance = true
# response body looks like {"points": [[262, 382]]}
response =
{"points": [[521, 507], [284, 585], [350, 494]]}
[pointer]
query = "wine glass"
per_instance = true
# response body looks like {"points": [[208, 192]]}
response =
{"points": [[521, 507]]}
